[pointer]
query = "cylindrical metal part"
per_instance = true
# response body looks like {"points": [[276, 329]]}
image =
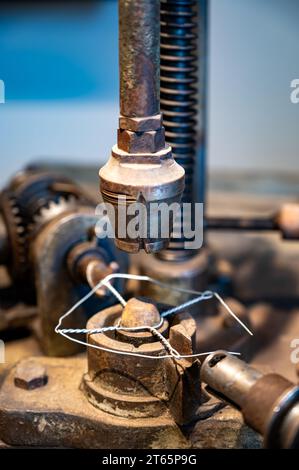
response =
{"points": [[269, 403], [131, 386], [139, 42], [229, 376], [241, 223], [89, 264]]}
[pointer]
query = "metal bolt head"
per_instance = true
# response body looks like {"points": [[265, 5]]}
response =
{"points": [[30, 375], [138, 313], [141, 142]]}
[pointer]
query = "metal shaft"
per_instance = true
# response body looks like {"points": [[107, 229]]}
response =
{"points": [[269, 402], [139, 59], [241, 223], [229, 377]]}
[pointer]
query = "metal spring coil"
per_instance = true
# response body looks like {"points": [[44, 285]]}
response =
{"points": [[178, 91]]}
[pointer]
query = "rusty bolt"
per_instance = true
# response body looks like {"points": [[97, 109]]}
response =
{"points": [[141, 142], [30, 375], [138, 313]]}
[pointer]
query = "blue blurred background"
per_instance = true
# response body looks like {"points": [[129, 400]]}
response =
{"points": [[59, 62]]}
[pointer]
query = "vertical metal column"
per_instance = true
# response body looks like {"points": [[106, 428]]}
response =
{"points": [[139, 57]]}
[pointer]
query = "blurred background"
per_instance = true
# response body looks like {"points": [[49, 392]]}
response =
{"points": [[59, 63]]}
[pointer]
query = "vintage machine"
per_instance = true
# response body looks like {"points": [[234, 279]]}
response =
{"points": [[139, 341]]}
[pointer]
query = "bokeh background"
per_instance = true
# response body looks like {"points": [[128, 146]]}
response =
{"points": [[59, 62]]}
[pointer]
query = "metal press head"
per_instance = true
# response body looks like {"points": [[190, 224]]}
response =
{"points": [[141, 180], [139, 193]]}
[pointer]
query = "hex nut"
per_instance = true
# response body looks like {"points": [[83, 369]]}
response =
{"points": [[30, 375], [141, 142], [141, 124]]}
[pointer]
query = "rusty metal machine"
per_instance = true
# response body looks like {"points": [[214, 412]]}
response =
{"points": [[141, 364]]}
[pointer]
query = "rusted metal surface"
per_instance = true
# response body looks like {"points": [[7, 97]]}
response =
{"points": [[18, 349], [141, 124], [139, 57], [56, 289], [256, 262], [147, 178], [262, 401], [88, 263], [59, 415], [130, 386], [224, 429], [215, 428], [17, 316], [22, 204], [30, 375], [138, 313], [141, 142], [266, 400], [121, 402]]}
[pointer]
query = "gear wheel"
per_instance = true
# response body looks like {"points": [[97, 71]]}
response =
{"points": [[32, 199], [54, 209], [16, 230]]}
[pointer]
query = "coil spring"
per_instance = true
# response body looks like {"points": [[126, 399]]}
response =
{"points": [[178, 86]]}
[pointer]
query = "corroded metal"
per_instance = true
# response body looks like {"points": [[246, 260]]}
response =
{"points": [[55, 286], [147, 179], [139, 57], [29, 200], [59, 415], [133, 386], [137, 313], [30, 375], [89, 263], [267, 401], [122, 402]]}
